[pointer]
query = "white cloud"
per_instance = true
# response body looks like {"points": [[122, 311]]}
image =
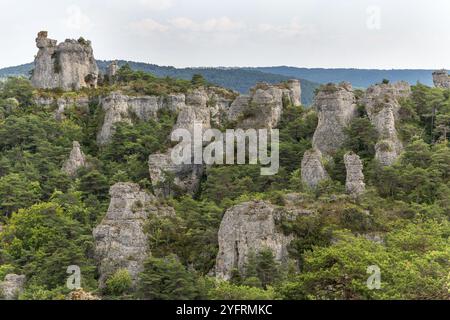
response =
{"points": [[147, 26], [222, 24], [156, 5], [292, 29], [76, 19]]}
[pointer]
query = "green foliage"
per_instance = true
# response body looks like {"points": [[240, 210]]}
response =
{"points": [[167, 279], [228, 292], [119, 283], [42, 241]]}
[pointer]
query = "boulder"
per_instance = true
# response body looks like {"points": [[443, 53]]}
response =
{"points": [[249, 228], [336, 107]]}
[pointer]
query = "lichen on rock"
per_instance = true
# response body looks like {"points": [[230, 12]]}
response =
{"points": [[12, 286]]}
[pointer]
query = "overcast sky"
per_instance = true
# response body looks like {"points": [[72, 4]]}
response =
{"points": [[304, 33]]}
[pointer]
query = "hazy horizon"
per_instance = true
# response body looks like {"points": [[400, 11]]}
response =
{"points": [[358, 34]]}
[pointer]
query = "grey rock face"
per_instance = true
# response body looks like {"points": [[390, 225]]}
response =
{"points": [[313, 171], [12, 286], [186, 176], [120, 241], [196, 110], [354, 185], [248, 228], [441, 79], [382, 105], [69, 65], [112, 71], [336, 107], [121, 108], [76, 160], [61, 104], [264, 106]]}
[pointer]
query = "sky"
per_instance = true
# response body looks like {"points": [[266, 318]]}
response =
{"points": [[382, 34]]}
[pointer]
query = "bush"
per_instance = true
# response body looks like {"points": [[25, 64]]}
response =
{"points": [[119, 283]]}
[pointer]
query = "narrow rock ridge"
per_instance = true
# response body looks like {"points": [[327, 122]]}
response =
{"points": [[313, 170], [354, 185], [69, 65], [336, 107], [12, 286], [382, 105], [186, 177], [441, 79], [120, 241], [249, 228], [76, 160]]}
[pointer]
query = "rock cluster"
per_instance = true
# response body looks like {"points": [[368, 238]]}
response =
{"points": [[76, 160], [186, 177], [60, 105], [12, 286], [81, 295], [120, 242], [313, 170], [336, 107], [69, 65], [354, 185], [249, 228], [264, 106], [382, 105], [441, 79]]}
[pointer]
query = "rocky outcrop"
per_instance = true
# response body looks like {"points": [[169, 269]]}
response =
{"points": [[263, 107], [81, 295], [76, 160], [69, 65], [441, 79], [120, 241], [249, 228], [60, 105], [186, 177], [196, 110], [313, 170], [123, 108], [382, 106], [354, 185], [112, 71], [336, 107], [12, 286]]}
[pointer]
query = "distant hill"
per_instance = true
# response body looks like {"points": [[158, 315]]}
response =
{"points": [[238, 79], [357, 77]]}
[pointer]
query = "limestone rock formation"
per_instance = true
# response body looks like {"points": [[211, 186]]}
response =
{"points": [[313, 171], [249, 228], [12, 286], [441, 79], [336, 107], [186, 176], [112, 71], [195, 110], [382, 105], [263, 107], [354, 185], [76, 160], [121, 108], [69, 65], [81, 295], [120, 241], [60, 105]]}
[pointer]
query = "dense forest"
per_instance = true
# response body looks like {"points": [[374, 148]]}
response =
{"points": [[47, 217]]}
